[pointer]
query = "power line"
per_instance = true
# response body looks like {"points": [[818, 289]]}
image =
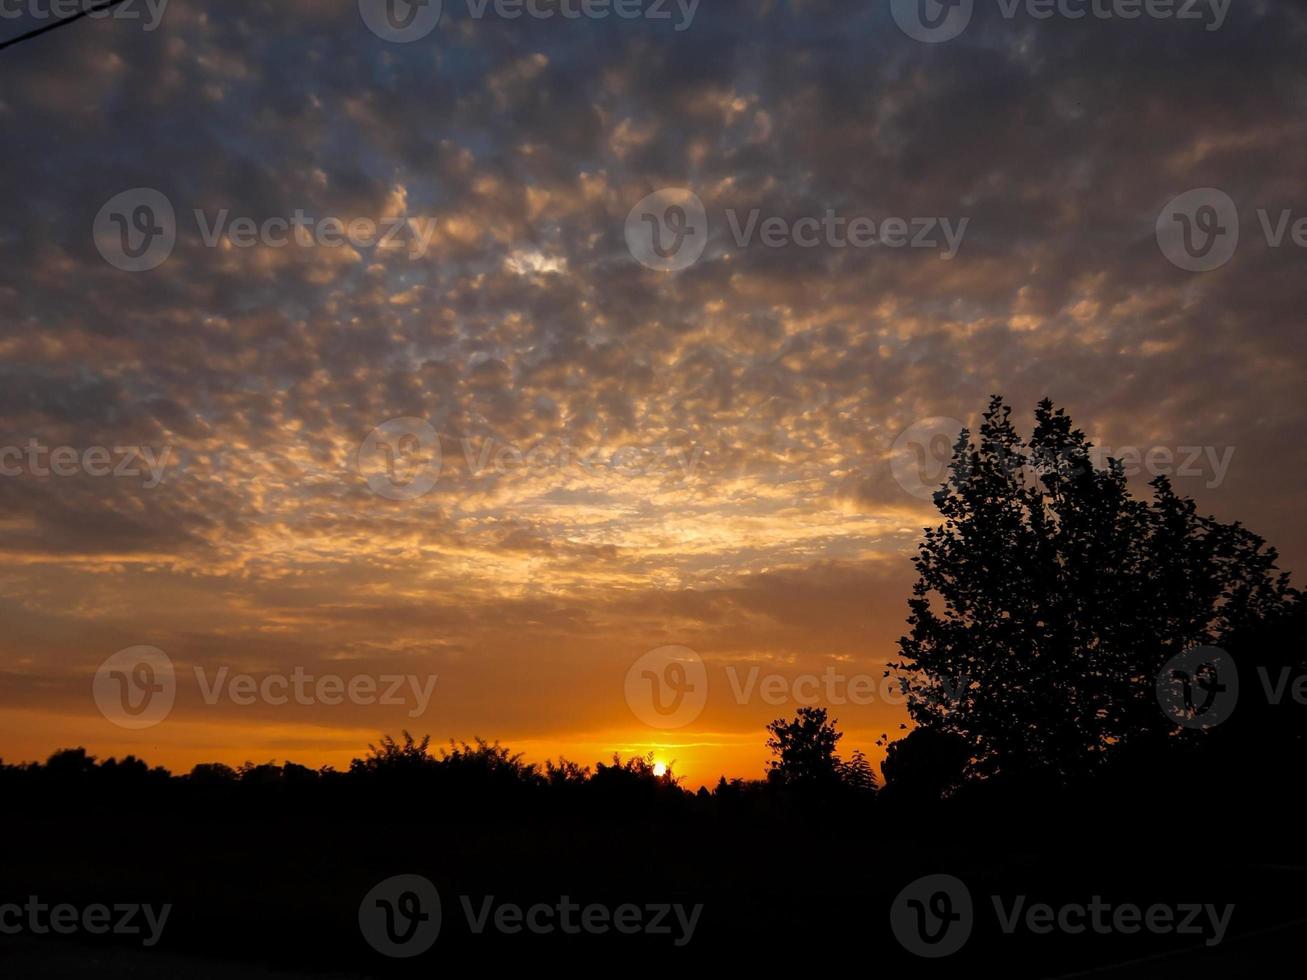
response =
{"points": [[95, 8]]}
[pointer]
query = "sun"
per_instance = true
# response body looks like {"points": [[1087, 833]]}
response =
{"points": [[660, 769]]}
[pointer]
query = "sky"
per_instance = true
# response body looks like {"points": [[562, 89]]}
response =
{"points": [[537, 361]]}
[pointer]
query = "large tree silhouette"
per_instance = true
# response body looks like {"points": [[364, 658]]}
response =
{"points": [[1049, 599]]}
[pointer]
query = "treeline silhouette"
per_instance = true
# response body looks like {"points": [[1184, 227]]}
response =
{"points": [[481, 778]]}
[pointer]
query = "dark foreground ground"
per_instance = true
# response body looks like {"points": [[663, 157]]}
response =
{"points": [[277, 894]]}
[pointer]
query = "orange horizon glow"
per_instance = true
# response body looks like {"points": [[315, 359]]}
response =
{"points": [[694, 760]]}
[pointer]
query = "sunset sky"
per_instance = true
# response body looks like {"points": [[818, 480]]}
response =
{"points": [[752, 514]]}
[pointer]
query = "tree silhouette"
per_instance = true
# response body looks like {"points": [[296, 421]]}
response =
{"points": [[924, 765], [1049, 599], [804, 750]]}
